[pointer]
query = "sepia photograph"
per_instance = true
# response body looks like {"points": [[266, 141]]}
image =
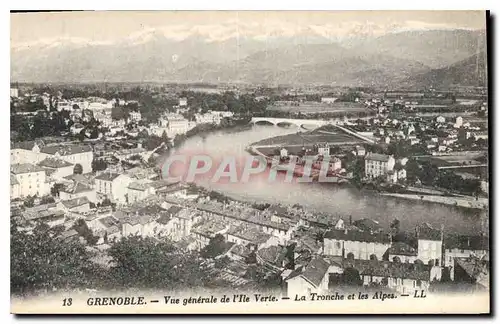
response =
{"points": [[249, 162]]}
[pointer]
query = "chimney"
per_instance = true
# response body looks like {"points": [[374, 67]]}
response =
{"points": [[350, 219], [442, 232]]}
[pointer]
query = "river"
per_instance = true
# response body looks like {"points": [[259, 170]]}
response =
{"points": [[332, 199]]}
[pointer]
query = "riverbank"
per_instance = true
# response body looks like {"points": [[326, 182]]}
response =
{"points": [[481, 203]]}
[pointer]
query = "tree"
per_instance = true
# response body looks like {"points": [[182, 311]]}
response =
{"points": [[40, 262], [99, 165], [78, 169], [147, 263], [54, 191], [351, 277], [395, 226], [216, 246], [84, 231]]}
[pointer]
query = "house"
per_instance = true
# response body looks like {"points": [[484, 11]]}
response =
{"points": [[474, 271], [360, 151], [356, 244], [139, 190], [47, 213], [272, 258], [464, 246], [113, 186], [76, 128], [368, 225], [26, 152], [283, 152], [183, 221], [430, 244], [182, 102], [78, 189], [377, 165], [56, 168], [15, 187], [404, 278], [77, 205], [135, 116], [324, 149], [207, 230], [440, 119], [31, 180], [74, 154], [402, 252], [252, 236], [69, 235], [328, 100], [311, 278]]}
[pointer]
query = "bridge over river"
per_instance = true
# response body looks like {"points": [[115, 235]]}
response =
{"points": [[309, 124]]}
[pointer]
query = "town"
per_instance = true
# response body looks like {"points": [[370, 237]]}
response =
{"points": [[88, 198]]}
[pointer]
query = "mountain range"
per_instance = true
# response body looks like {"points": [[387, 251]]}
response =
{"points": [[409, 56]]}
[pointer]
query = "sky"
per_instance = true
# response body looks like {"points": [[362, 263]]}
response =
{"points": [[112, 26]]}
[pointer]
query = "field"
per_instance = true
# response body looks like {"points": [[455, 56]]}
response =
{"points": [[325, 134], [316, 107]]}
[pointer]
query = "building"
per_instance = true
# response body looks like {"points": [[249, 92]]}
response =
{"points": [[78, 189], [404, 278], [74, 154], [324, 149], [473, 271], [26, 152], [135, 116], [459, 121], [113, 186], [31, 180], [183, 102], [430, 244], [440, 119], [360, 150], [15, 187], [56, 168], [175, 124], [458, 246], [310, 278], [139, 190], [14, 92], [356, 244], [377, 165], [328, 100], [251, 236], [76, 205], [402, 252]]}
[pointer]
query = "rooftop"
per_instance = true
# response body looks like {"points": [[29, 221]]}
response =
{"points": [[72, 203], [313, 272], [77, 187], [25, 168], [377, 157], [358, 236], [107, 176], [249, 233], [66, 149], [466, 242], [54, 163], [388, 269], [401, 248]]}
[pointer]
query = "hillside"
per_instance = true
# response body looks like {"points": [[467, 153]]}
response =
{"points": [[469, 72]]}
